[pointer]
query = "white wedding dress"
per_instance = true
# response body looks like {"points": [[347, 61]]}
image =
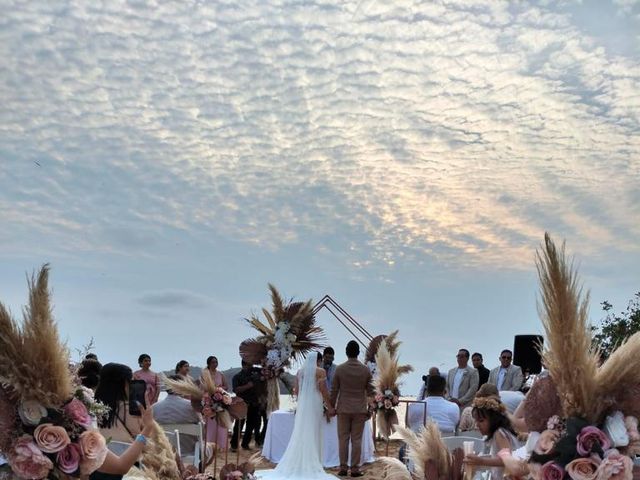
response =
{"points": [[302, 460]]}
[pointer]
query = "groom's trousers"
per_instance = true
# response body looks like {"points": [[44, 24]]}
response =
{"points": [[350, 427]]}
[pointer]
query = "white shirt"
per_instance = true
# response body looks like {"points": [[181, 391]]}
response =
{"points": [[457, 380], [511, 399], [501, 374], [444, 413], [174, 409]]}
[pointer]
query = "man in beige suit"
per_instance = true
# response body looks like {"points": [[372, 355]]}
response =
{"points": [[462, 381], [351, 387], [507, 376]]}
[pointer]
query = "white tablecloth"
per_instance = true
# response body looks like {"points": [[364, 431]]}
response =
{"points": [[280, 429]]}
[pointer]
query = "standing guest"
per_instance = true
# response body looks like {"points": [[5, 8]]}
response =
{"points": [[444, 413], [89, 373], [329, 367], [245, 384], [175, 409], [506, 376], [462, 381], [483, 372], [150, 378], [433, 371], [350, 393], [216, 433], [182, 368]]}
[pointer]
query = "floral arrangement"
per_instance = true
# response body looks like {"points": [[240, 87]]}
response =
{"points": [[387, 396], [290, 333], [243, 471], [45, 424]]}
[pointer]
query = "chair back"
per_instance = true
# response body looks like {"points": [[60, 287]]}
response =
{"points": [[174, 440], [194, 429]]}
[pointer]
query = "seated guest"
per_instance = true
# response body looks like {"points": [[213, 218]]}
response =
{"points": [[444, 413], [422, 393], [175, 409], [492, 420], [150, 377], [511, 399], [113, 391], [467, 423], [506, 376]]}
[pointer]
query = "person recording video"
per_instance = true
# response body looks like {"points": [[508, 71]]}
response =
{"points": [[422, 393]]}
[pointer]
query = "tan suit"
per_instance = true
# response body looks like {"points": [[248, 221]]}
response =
{"points": [[468, 385], [351, 386], [513, 378]]}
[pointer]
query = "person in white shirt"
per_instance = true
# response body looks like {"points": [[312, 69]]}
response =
{"points": [[175, 409], [462, 381], [444, 413], [422, 393], [511, 399]]}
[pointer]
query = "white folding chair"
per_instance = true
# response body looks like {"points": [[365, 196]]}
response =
{"points": [[194, 429], [457, 442], [174, 440]]}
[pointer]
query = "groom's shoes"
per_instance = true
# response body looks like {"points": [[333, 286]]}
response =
{"points": [[343, 473], [356, 473]]}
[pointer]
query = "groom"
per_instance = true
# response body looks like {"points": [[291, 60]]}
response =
{"points": [[349, 391]]}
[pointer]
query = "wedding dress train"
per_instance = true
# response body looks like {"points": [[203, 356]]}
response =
{"points": [[302, 460]]}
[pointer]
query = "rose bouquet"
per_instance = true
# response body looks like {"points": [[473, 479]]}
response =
{"points": [[386, 382], [290, 333], [45, 425], [243, 471]]}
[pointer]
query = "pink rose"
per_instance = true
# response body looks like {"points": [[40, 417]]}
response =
{"points": [[217, 397], [590, 437], [583, 468], [94, 451], [51, 438], [551, 471], [615, 466], [27, 460], [68, 460], [77, 412]]}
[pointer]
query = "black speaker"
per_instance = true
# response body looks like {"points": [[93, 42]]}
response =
{"points": [[526, 354]]}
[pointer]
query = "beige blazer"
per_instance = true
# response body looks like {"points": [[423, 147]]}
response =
{"points": [[352, 384], [468, 385], [512, 379]]}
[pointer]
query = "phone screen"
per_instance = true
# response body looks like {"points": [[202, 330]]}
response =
{"points": [[137, 389]]}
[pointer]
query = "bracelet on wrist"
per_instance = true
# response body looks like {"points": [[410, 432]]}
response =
{"points": [[141, 438]]}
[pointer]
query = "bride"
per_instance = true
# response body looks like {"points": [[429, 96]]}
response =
{"points": [[302, 459]]}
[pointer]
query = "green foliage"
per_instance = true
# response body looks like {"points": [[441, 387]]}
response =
{"points": [[615, 328]]}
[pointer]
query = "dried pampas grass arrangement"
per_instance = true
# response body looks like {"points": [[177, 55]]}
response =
{"points": [[185, 387], [158, 457], [28, 351], [618, 379], [563, 311]]}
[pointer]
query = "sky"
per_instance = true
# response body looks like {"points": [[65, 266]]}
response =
{"points": [[170, 159]]}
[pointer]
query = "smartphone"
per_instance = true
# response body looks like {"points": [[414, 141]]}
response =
{"points": [[137, 389]]}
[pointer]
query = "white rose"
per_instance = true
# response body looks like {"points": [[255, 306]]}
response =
{"points": [[31, 412]]}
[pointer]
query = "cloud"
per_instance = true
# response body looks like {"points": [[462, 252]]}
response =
{"points": [[456, 132], [173, 299]]}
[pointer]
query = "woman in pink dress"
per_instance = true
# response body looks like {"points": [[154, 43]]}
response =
{"points": [[216, 433], [150, 378]]}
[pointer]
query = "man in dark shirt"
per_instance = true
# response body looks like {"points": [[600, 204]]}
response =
{"points": [[483, 372], [245, 385]]}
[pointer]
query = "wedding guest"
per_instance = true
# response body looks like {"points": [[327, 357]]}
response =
{"points": [[506, 376], [492, 420], [422, 393], [175, 409], [215, 432], [89, 373], [444, 413], [467, 423], [150, 378], [113, 391], [462, 381], [244, 385], [328, 355], [182, 368], [483, 372]]}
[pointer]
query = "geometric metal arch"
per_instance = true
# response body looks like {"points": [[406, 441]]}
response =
{"points": [[351, 324]]}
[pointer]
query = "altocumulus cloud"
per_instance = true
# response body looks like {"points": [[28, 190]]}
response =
{"points": [[415, 120], [173, 298]]}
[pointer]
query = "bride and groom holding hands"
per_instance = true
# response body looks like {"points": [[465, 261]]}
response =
{"points": [[349, 399]]}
